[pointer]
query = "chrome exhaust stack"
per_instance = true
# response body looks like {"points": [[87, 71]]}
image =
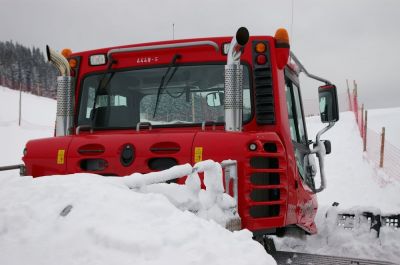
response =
{"points": [[65, 95], [233, 102]]}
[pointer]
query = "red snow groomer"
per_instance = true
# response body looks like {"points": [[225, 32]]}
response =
{"points": [[148, 107]]}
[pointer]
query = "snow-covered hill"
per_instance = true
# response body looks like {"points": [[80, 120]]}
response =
{"points": [[111, 224]]}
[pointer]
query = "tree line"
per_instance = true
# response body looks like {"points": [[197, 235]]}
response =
{"points": [[26, 68]]}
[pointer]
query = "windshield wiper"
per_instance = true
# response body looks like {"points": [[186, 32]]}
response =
{"points": [[103, 83], [162, 85]]}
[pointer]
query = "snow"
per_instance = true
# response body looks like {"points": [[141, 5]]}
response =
{"points": [[351, 180], [357, 186], [90, 219], [38, 116], [156, 223], [388, 118], [109, 224]]}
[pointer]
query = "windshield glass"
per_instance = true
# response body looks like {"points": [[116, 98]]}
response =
{"points": [[192, 95]]}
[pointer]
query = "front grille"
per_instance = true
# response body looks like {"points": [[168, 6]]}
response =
{"points": [[265, 178], [270, 147], [264, 211], [260, 195], [262, 162], [268, 184]]}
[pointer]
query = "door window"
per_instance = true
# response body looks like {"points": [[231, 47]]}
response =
{"points": [[297, 128]]}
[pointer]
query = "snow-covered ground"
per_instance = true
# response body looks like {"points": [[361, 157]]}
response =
{"points": [[38, 116], [89, 219], [109, 223], [356, 185], [388, 118]]}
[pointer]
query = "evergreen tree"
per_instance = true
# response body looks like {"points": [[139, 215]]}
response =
{"points": [[26, 67]]}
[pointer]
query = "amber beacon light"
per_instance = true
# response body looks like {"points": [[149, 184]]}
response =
{"points": [[283, 47]]}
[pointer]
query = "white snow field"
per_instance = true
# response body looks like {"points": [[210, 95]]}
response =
{"points": [[110, 223], [89, 219], [388, 118], [357, 186]]}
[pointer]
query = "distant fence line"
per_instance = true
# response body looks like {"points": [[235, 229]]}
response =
{"points": [[378, 150]]}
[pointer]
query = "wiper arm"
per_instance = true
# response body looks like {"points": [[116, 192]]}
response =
{"points": [[103, 83], [162, 85]]}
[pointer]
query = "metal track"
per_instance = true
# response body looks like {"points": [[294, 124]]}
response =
{"points": [[295, 258]]}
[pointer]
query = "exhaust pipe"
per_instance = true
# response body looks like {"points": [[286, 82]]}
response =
{"points": [[233, 103], [65, 95]]}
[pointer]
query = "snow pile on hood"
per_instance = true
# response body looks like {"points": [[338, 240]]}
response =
{"points": [[89, 219]]}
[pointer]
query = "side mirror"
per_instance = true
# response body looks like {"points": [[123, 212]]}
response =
{"points": [[215, 99], [328, 103]]}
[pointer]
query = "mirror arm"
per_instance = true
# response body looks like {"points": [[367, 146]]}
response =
{"points": [[320, 151], [303, 69]]}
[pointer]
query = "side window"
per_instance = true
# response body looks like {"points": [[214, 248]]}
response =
{"points": [[299, 113], [296, 124], [296, 121]]}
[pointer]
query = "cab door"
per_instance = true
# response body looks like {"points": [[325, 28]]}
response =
{"points": [[306, 199]]}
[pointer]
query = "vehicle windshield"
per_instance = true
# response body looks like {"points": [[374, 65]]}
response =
{"points": [[192, 95]]}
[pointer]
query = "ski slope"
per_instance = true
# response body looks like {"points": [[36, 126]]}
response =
{"points": [[112, 224]]}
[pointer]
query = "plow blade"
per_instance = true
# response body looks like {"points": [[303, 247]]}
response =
{"points": [[357, 220], [296, 258]]}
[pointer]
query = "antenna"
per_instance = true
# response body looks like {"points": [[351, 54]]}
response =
{"points": [[291, 24], [173, 31]]}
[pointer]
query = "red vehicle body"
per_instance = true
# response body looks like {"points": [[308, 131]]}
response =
{"points": [[273, 191]]}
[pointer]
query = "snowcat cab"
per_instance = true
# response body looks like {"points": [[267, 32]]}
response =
{"points": [[148, 107]]}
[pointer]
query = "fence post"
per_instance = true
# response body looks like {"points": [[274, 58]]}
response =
{"points": [[362, 121], [348, 93], [382, 147], [365, 131], [355, 100]]}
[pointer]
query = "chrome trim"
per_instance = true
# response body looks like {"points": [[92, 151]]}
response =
{"points": [[303, 69], [231, 173], [140, 124], [59, 61], [65, 93], [233, 100], [205, 123], [320, 151], [163, 46], [80, 127]]}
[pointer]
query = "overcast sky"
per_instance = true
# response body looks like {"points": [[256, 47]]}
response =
{"points": [[337, 39]]}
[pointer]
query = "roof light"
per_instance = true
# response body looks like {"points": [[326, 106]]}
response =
{"points": [[66, 52], [260, 47], [282, 38], [72, 62], [98, 59]]}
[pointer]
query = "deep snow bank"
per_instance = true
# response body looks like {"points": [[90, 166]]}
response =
{"points": [[109, 224], [355, 184]]}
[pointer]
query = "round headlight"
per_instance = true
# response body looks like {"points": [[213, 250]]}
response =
{"points": [[252, 147]]}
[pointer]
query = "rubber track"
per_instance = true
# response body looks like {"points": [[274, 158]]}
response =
{"points": [[295, 258]]}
